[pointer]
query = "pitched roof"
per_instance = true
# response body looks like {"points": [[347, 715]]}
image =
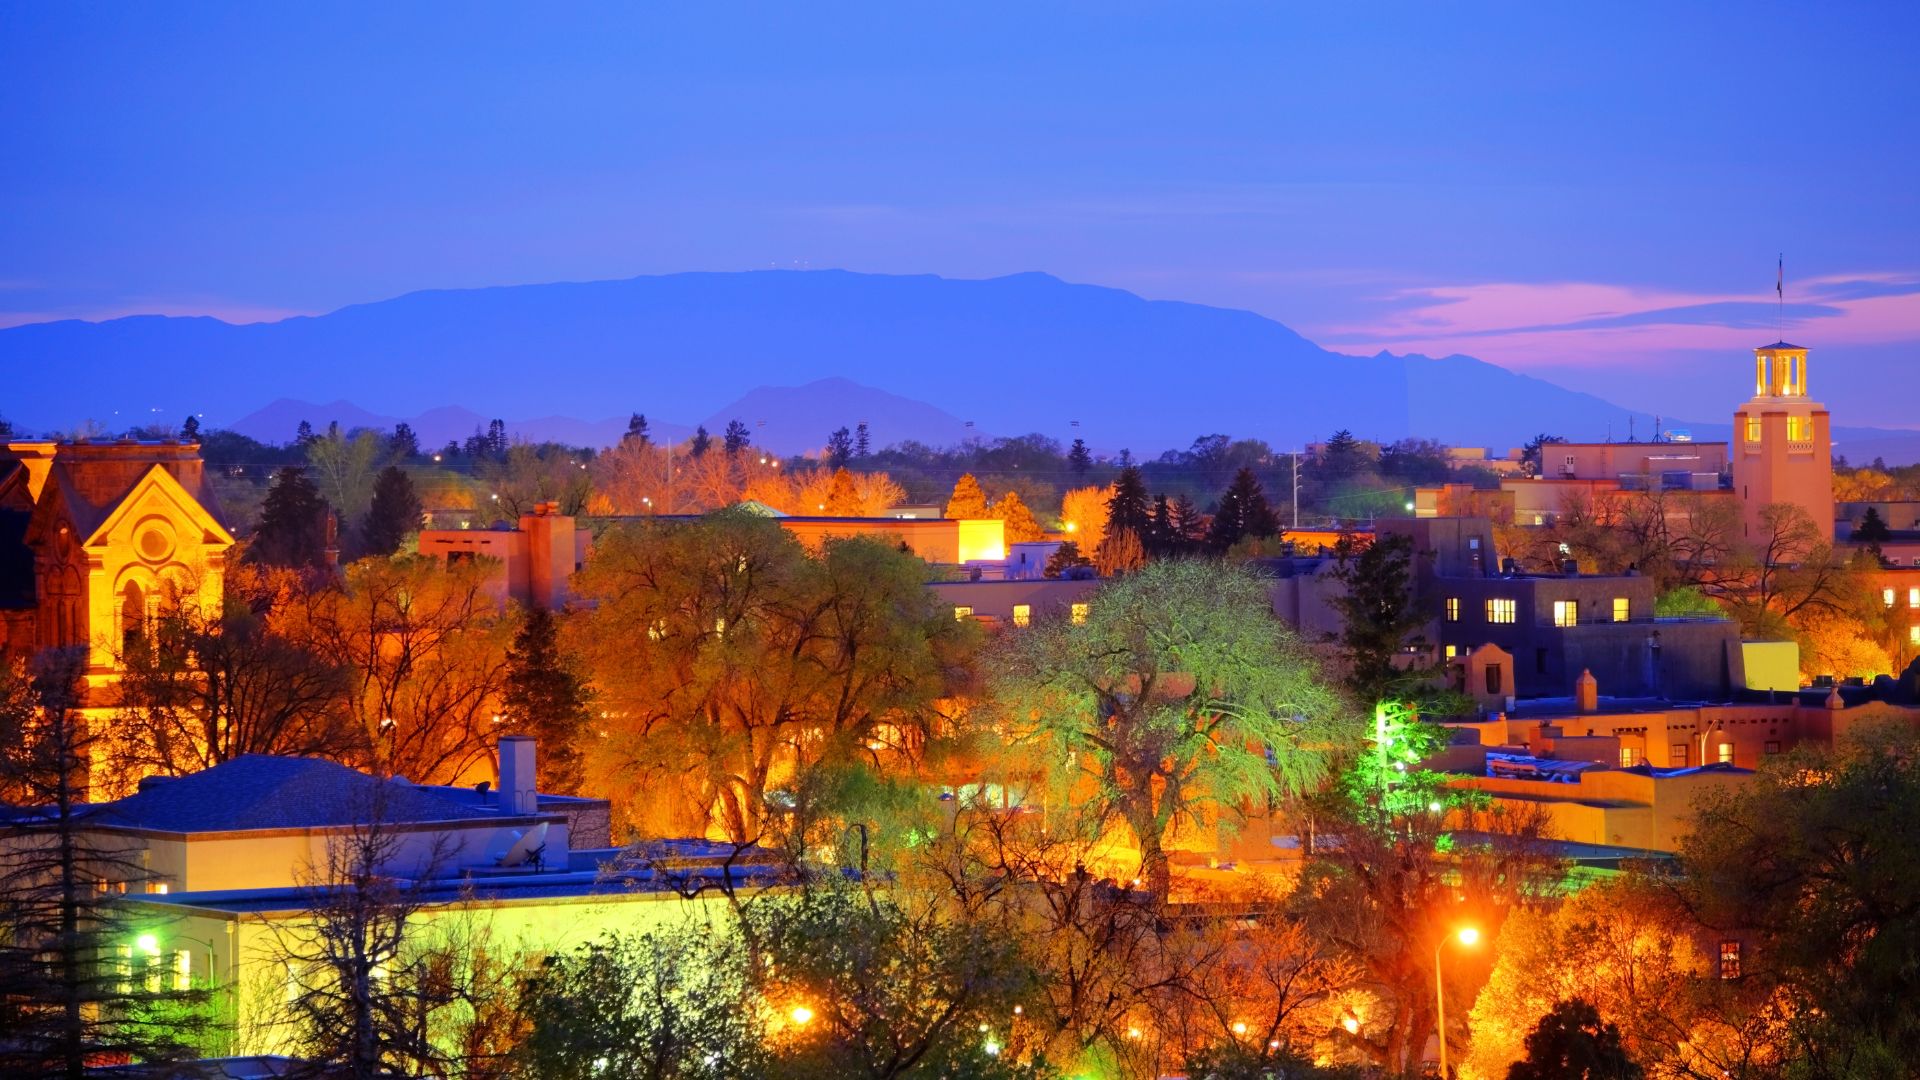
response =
{"points": [[257, 791]]}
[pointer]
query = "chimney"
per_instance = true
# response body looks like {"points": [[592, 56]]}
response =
{"points": [[516, 775], [1586, 692]]}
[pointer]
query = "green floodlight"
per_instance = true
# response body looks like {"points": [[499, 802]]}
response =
{"points": [[148, 943]]}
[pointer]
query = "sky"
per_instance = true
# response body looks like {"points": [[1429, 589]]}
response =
{"points": [[1596, 194]]}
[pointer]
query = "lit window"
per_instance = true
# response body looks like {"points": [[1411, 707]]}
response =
{"points": [[1022, 614], [1539, 519], [1622, 610], [1797, 429], [1565, 612], [158, 888], [1726, 753], [1502, 611], [1729, 959], [1753, 429], [1453, 609], [1629, 757], [1887, 596], [962, 613], [1453, 651], [1913, 598], [1913, 635], [1078, 613]]}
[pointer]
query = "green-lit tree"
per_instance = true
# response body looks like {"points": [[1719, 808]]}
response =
{"points": [[1178, 693], [545, 698], [293, 524], [393, 515]]}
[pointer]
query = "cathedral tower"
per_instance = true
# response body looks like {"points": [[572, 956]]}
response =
{"points": [[1781, 449]]}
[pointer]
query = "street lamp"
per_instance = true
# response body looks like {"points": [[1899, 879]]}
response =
{"points": [[800, 1015], [1467, 936]]}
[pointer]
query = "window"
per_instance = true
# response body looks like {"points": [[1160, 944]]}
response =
{"points": [[1797, 429], [1078, 613], [1022, 614], [1753, 429], [1629, 757], [1729, 959], [1913, 598], [1677, 756], [1453, 651], [1772, 746], [1622, 610], [1886, 596], [961, 613], [1495, 684], [1913, 635], [1726, 753], [1453, 609], [1501, 611], [1566, 612]]}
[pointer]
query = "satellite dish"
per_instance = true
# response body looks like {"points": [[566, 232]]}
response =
{"points": [[528, 849]]}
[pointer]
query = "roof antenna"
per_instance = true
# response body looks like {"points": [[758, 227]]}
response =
{"points": [[1780, 298]]}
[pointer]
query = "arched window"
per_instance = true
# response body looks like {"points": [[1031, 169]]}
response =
{"points": [[133, 612]]}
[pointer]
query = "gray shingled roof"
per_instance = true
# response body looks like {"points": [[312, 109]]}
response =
{"points": [[257, 791]]}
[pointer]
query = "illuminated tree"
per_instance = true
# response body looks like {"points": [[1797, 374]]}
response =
{"points": [[425, 645], [393, 515], [1179, 693], [344, 468], [730, 663], [525, 475], [1120, 552], [1020, 524], [843, 496], [1083, 514], [968, 502]]}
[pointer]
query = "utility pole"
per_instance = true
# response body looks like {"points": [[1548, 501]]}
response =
{"points": [[1296, 491]]}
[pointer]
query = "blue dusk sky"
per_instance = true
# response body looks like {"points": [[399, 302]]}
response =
{"points": [[1594, 193]]}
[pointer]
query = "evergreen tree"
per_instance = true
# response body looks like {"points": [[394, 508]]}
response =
{"points": [[702, 442], [1065, 560], [862, 441], [736, 439], [293, 524], [1872, 530], [1243, 512], [303, 434], [1020, 524], [839, 448], [1126, 458], [1080, 458], [1189, 526], [969, 502], [497, 438], [80, 981], [190, 429], [393, 514], [403, 444], [637, 428], [1161, 540], [545, 698], [1571, 1043], [1532, 456], [1127, 509], [1379, 618]]}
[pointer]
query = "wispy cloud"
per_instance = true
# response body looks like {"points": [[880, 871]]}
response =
{"points": [[1522, 325]]}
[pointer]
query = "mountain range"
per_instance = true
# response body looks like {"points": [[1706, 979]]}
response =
{"points": [[795, 354]]}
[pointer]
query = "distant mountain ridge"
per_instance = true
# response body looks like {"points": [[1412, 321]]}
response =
{"points": [[916, 355]]}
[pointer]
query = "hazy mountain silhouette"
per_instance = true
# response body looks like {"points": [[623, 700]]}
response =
{"points": [[914, 355]]}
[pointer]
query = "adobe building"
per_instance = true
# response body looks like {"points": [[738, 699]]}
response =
{"points": [[1783, 447], [533, 564], [94, 536]]}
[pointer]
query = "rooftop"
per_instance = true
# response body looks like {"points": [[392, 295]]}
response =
{"points": [[257, 791]]}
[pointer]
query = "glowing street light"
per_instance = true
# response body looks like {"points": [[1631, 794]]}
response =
{"points": [[800, 1015], [1467, 936]]}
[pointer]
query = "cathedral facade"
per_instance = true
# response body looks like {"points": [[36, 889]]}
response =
{"points": [[96, 535]]}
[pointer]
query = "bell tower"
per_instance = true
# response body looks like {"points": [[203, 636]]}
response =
{"points": [[1781, 449]]}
